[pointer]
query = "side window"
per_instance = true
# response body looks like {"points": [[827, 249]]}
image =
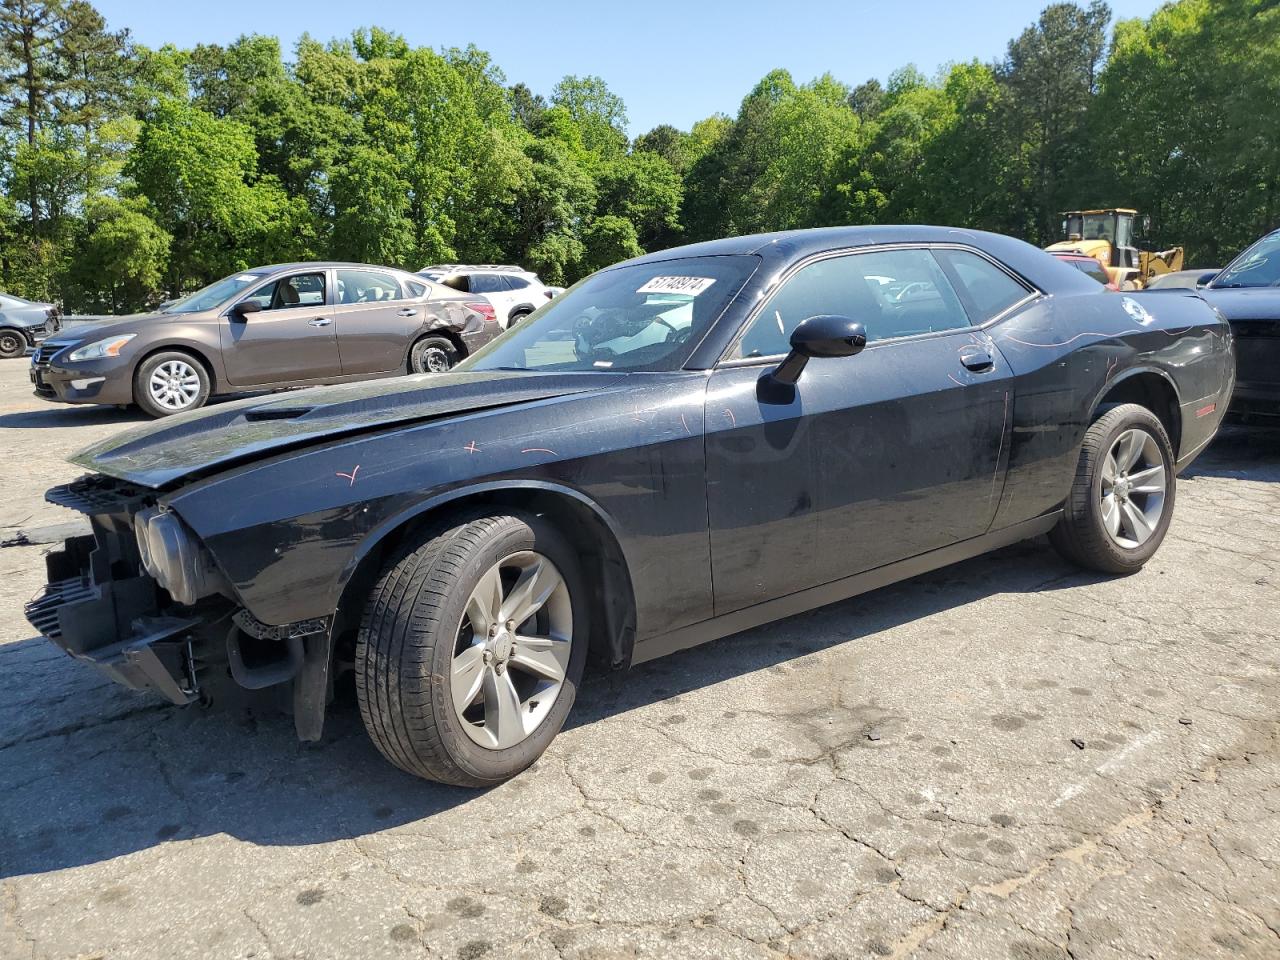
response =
{"points": [[893, 293], [415, 289], [300, 290], [487, 283], [366, 286], [517, 283], [991, 289]]}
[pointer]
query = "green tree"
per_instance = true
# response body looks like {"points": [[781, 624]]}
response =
{"points": [[775, 167], [1050, 75], [643, 189], [607, 240], [599, 113], [1185, 122], [120, 259], [199, 173]]}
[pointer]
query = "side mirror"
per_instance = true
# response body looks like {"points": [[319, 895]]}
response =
{"points": [[245, 307], [1206, 278], [823, 336]]}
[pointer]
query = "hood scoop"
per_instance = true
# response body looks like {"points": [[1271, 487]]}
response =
{"points": [[276, 413]]}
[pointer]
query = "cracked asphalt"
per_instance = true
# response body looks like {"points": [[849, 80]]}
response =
{"points": [[1006, 758]]}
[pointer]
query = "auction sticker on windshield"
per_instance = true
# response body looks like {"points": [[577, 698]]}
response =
{"points": [[692, 286]]}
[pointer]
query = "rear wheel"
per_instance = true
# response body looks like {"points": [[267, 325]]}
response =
{"points": [[12, 344], [433, 355], [471, 648], [518, 318], [1121, 500], [169, 383]]}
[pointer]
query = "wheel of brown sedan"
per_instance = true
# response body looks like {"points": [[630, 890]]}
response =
{"points": [[169, 383], [1121, 500], [471, 649], [433, 355]]}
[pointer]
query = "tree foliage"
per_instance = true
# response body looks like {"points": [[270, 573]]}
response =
{"points": [[132, 174]]}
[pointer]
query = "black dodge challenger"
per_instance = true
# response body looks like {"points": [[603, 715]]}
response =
{"points": [[680, 447]]}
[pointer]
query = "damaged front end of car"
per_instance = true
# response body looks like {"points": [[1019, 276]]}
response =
{"points": [[144, 601]]}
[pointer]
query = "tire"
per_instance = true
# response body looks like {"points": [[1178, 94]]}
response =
{"points": [[433, 355], [421, 633], [171, 382], [518, 318], [1120, 532], [13, 344]]}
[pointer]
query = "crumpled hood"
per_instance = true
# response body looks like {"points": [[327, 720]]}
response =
{"points": [[1246, 303], [194, 444]]}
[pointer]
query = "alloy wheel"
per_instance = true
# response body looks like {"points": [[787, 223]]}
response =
{"points": [[511, 654], [174, 385], [1134, 481]]}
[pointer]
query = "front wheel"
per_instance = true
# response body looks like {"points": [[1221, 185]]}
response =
{"points": [[471, 649], [433, 355], [1121, 500], [170, 383]]}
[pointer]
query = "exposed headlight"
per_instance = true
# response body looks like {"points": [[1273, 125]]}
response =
{"points": [[177, 560], [99, 349]]}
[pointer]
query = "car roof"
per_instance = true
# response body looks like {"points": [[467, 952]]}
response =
{"points": [[475, 268], [320, 265], [790, 245]]}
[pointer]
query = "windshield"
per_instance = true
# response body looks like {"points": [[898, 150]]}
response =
{"points": [[645, 316], [1092, 226], [1259, 266], [214, 295]]}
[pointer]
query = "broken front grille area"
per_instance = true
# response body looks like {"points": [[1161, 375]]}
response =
{"points": [[96, 494]]}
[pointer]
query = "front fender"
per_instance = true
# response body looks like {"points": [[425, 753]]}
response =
{"points": [[393, 522]]}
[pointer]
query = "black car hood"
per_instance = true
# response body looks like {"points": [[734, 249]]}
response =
{"points": [[1245, 303], [195, 444]]}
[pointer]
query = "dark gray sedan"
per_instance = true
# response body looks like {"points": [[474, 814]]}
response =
{"points": [[24, 323], [293, 324]]}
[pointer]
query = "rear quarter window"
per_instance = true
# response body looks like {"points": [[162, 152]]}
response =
{"points": [[991, 290]]}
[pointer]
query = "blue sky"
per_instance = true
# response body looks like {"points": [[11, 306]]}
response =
{"points": [[671, 62]]}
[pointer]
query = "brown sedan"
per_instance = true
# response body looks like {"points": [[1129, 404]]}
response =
{"points": [[293, 324]]}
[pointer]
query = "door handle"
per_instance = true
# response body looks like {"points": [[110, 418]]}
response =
{"points": [[320, 322], [408, 312], [977, 360]]}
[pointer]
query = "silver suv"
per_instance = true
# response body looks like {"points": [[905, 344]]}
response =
{"points": [[513, 292]]}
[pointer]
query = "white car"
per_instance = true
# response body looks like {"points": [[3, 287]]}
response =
{"points": [[513, 292]]}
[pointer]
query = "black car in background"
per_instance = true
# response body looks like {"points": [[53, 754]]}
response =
{"points": [[1247, 291], [25, 323], [678, 448]]}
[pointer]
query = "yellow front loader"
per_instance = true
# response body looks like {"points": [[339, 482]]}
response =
{"points": [[1108, 237]]}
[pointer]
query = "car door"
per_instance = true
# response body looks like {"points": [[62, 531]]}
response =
{"points": [[873, 458], [374, 320], [291, 338]]}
